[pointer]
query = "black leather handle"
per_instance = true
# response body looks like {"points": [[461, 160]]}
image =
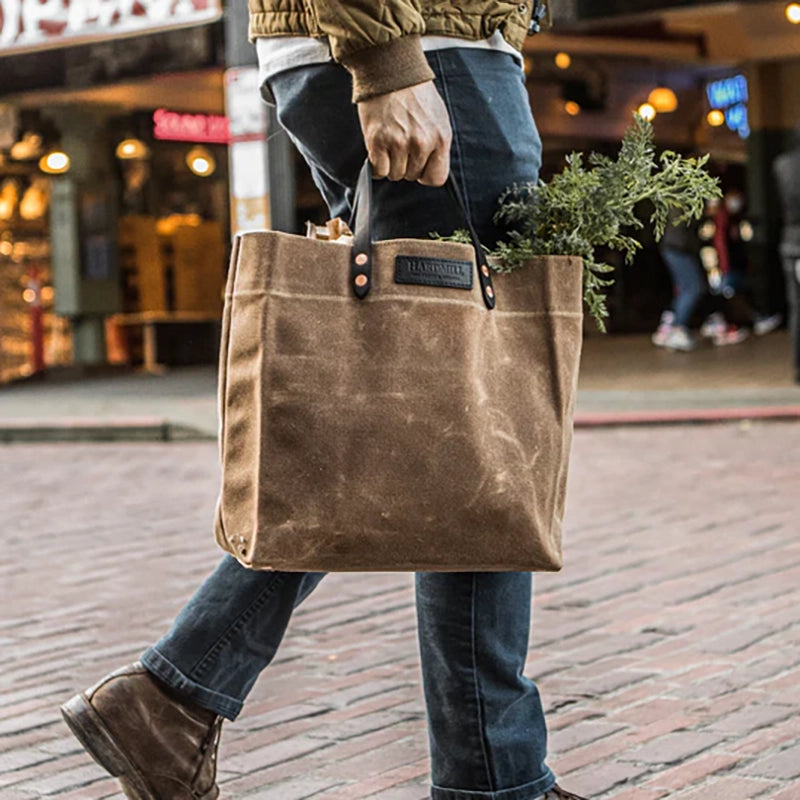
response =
{"points": [[481, 264], [361, 224]]}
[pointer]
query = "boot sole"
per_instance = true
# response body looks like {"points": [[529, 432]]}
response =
{"points": [[89, 729]]}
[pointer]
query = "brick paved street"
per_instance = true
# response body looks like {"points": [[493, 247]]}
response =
{"points": [[668, 651]]}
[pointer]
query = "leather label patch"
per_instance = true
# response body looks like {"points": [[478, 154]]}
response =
{"points": [[433, 272]]}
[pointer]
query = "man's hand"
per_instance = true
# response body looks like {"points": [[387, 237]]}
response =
{"points": [[408, 135]]}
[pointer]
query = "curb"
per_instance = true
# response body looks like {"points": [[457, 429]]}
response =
{"points": [[90, 430], [687, 416], [132, 429]]}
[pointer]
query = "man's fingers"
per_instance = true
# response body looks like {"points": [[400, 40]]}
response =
{"points": [[420, 148], [437, 169], [399, 161], [413, 163], [407, 133], [381, 163], [389, 160]]}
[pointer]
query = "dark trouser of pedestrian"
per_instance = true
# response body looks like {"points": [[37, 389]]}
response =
{"points": [[791, 268], [487, 731], [690, 285]]}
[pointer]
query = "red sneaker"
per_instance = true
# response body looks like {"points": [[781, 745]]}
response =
{"points": [[731, 335]]}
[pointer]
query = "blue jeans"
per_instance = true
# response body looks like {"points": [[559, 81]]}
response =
{"points": [[690, 286], [487, 732]]}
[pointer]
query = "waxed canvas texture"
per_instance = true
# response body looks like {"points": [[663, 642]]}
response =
{"points": [[414, 430]]}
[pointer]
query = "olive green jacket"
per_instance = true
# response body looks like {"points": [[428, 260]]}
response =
{"points": [[379, 42]]}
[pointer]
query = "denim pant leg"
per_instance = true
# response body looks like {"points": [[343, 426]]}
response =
{"points": [[685, 270], [227, 634], [486, 726]]}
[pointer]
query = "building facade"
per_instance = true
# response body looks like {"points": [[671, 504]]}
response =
{"points": [[731, 70], [114, 202], [132, 146]]}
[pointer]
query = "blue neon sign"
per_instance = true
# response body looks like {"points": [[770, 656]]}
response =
{"points": [[730, 95], [728, 92]]}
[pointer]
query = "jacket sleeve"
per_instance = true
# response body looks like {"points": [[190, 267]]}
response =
{"points": [[379, 43]]}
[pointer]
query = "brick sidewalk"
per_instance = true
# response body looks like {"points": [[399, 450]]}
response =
{"points": [[668, 651]]}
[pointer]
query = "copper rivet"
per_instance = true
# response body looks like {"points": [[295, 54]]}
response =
{"points": [[489, 291], [362, 259], [485, 270], [361, 280]]}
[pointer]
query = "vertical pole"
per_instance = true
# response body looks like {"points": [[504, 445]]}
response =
{"points": [[278, 157], [282, 177], [83, 223], [770, 136], [247, 151]]}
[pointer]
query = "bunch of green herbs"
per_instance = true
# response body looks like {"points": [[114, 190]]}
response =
{"points": [[592, 202]]}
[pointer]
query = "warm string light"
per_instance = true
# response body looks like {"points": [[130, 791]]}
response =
{"points": [[200, 161], [563, 60], [663, 100], [55, 163], [129, 149], [647, 112], [201, 166], [716, 118], [793, 13]]}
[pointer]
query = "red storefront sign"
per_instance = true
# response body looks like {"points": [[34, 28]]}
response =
{"points": [[40, 24], [174, 127]]}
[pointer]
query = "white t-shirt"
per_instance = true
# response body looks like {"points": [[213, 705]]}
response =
{"points": [[279, 53]]}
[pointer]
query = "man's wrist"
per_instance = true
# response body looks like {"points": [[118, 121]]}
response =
{"points": [[385, 68]]}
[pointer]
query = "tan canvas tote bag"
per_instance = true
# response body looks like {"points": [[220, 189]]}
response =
{"points": [[384, 406]]}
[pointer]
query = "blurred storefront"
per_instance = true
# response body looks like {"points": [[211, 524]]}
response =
{"points": [[133, 144], [719, 77], [114, 209]]}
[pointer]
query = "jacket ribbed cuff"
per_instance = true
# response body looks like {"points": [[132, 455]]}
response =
{"points": [[388, 67]]}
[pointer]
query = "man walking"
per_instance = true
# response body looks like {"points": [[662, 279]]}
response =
{"points": [[787, 174], [422, 88]]}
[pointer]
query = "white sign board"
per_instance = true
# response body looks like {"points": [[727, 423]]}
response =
{"points": [[248, 150], [245, 108], [41, 24]]}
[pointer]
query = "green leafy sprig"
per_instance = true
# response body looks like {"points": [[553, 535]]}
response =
{"points": [[592, 202]]}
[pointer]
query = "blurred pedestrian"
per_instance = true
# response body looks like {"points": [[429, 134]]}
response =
{"points": [[732, 231], [787, 175], [680, 249], [351, 79]]}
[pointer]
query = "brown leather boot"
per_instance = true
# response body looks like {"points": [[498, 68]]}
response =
{"points": [[159, 748]]}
